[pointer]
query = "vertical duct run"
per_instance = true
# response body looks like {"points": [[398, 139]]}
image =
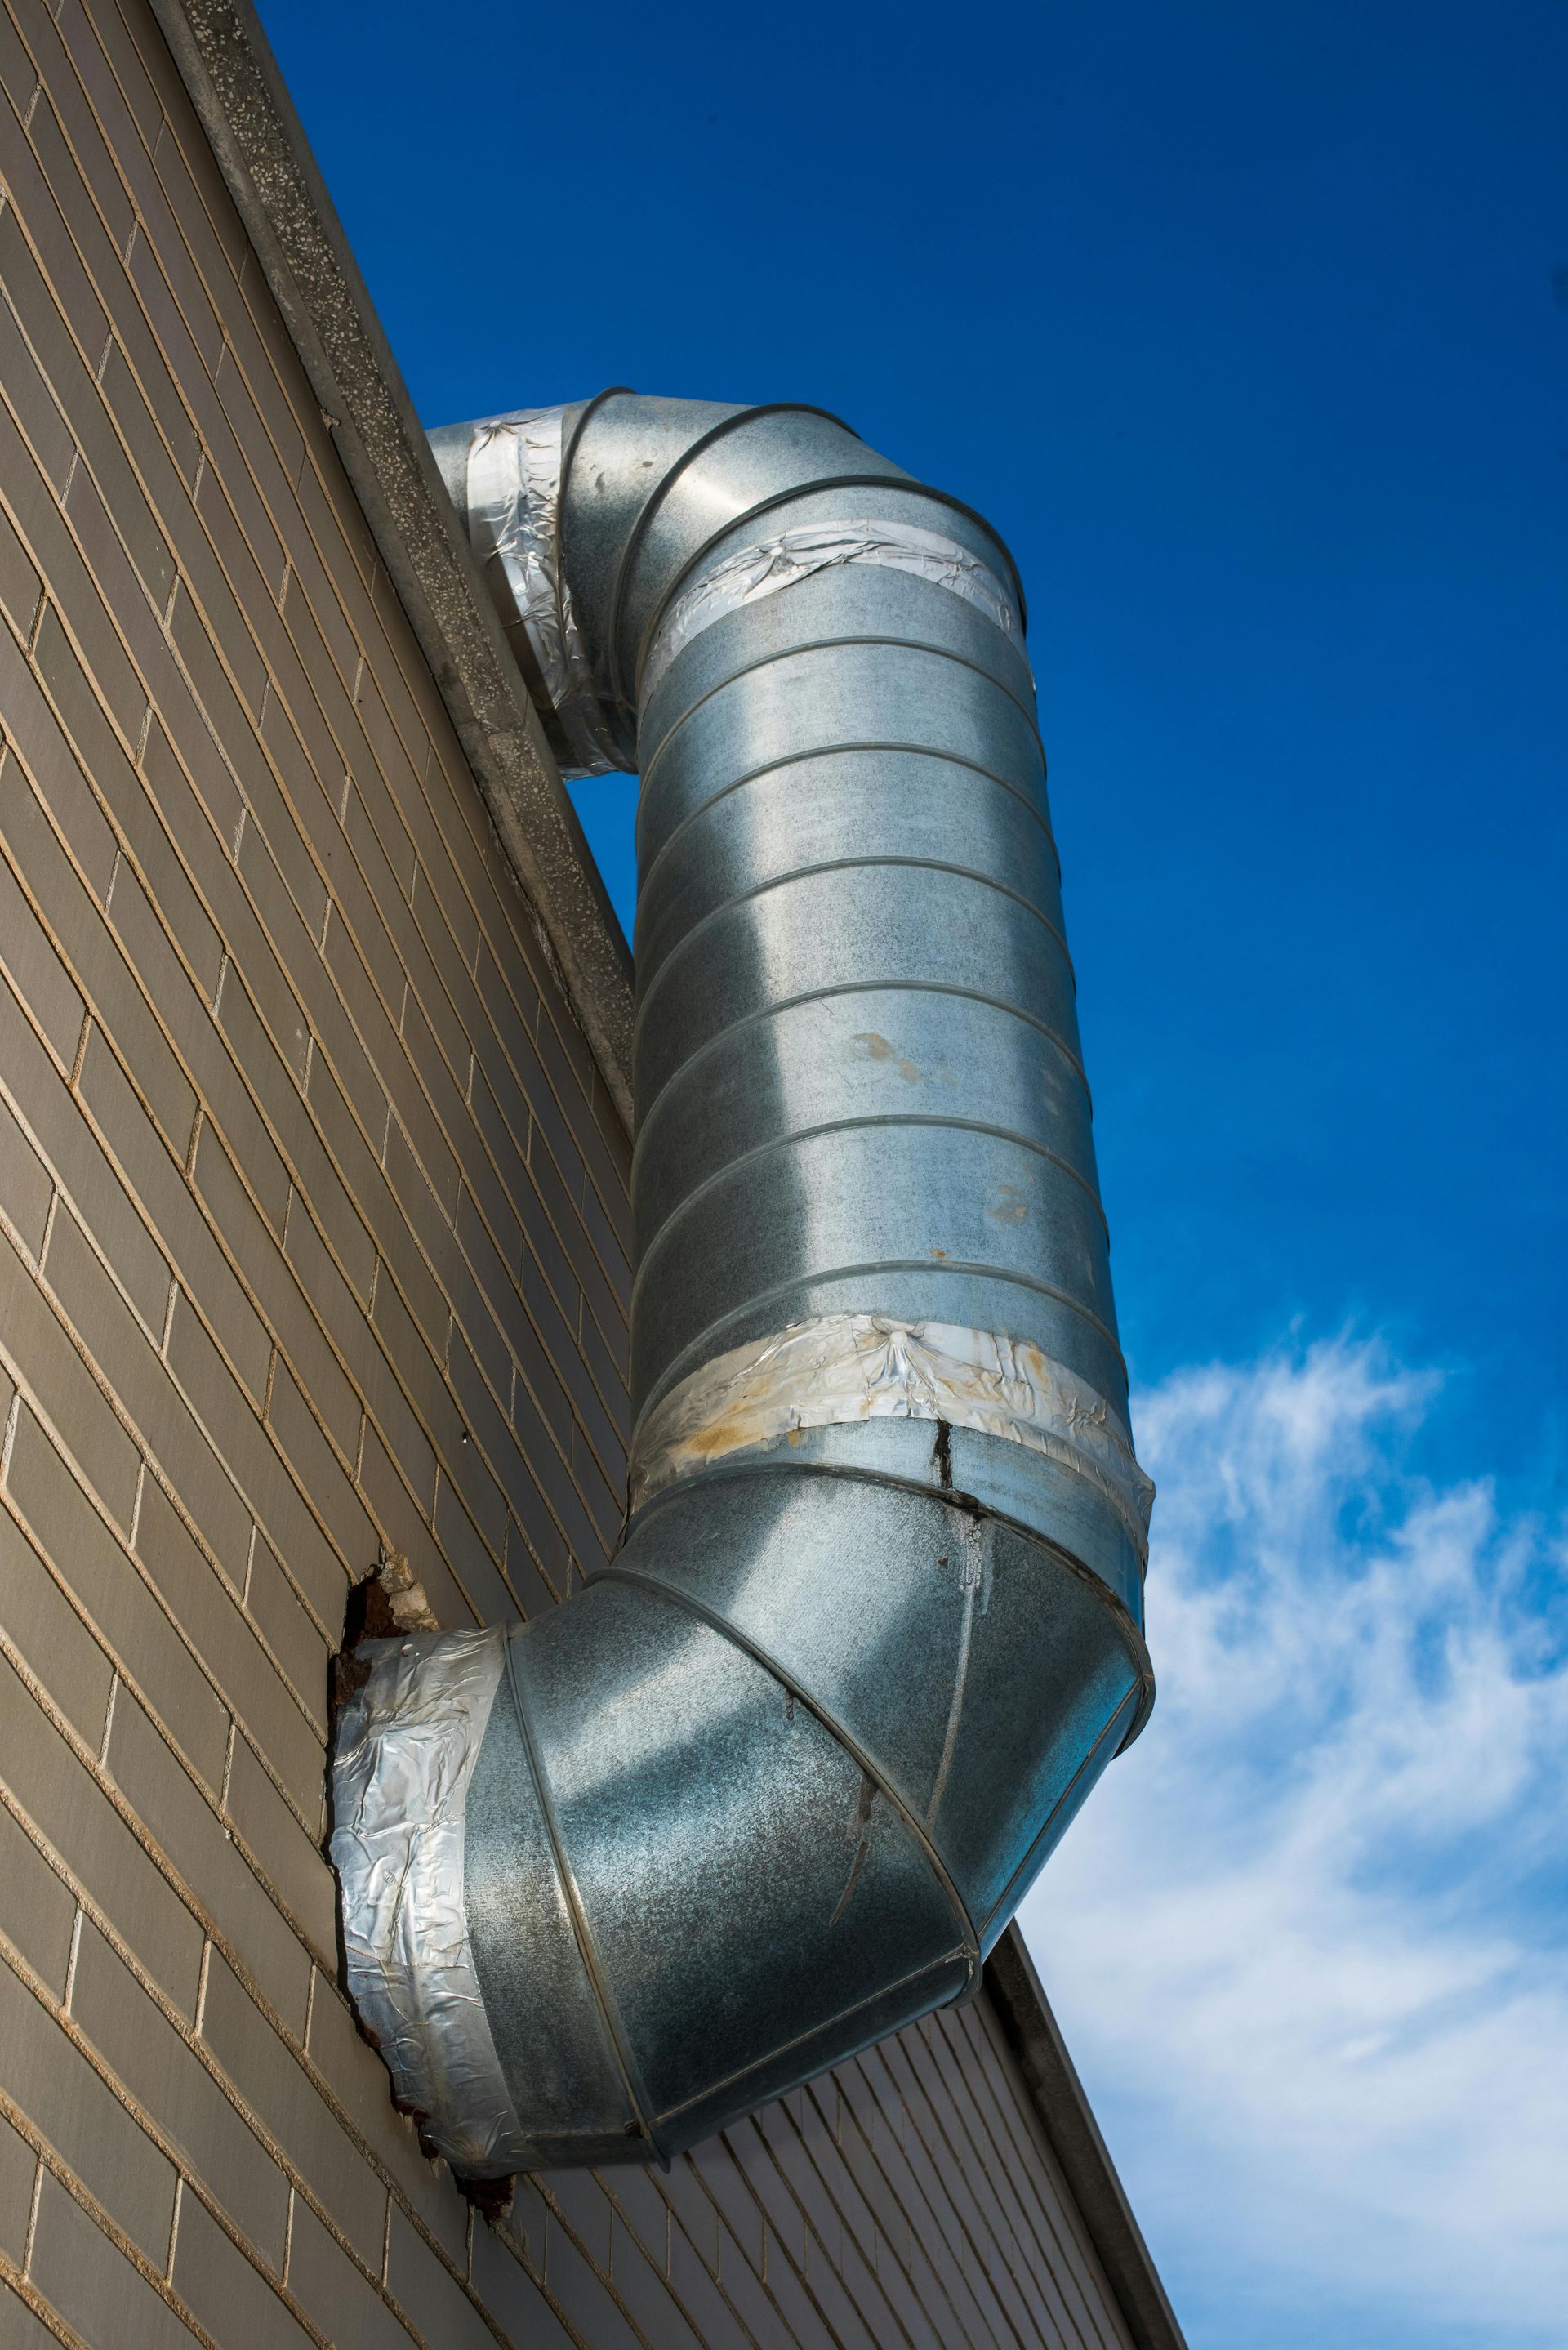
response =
{"points": [[775, 1780]]}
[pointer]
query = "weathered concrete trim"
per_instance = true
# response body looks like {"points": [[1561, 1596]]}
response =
{"points": [[227, 67], [1030, 2030]]}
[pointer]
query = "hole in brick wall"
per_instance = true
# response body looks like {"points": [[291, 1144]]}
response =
{"points": [[493, 2197], [368, 1617]]}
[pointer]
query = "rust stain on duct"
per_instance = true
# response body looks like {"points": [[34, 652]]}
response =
{"points": [[878, 1048]]}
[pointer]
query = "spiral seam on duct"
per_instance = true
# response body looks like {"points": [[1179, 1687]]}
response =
{"points": [[772, 1782]]}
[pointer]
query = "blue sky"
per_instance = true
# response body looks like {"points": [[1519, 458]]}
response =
{"points": [[1249, 328]]}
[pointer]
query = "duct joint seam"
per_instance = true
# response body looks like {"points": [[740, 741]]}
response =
{"points": [[604, 1999], [840, 1367], [918, 1829], [751, 573]]}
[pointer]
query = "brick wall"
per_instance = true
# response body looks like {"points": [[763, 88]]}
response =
{"points": [[313, 1230]]}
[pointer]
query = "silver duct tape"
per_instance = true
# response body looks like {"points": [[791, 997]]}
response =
{"points": [[513, 515], [773, 564], [839, 1368], [406, 1749]]}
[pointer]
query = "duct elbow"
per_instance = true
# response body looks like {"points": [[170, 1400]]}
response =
{"points": [[772, 1783]]}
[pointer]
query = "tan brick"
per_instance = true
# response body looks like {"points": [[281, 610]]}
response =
{"points": [[19, 2170], [287, 1309], [90, 1563], [20, 586], [412, 1319], [433, 2297], [78, 1158], [404, 1527], [21, 2327], [291, 930], [526, 1577], [124, 1354], [32, 199], [155, 423], [269, 2077], [101, 105], [243, 507], [514, 2298], [581, 2199], [379, 838], [415, 1131], [97, 961], [35, 969], [290, 1631], [299, 1132], [36, 1911], [27, 1186], [323, 1475], [471, 1560], [165, 1196], [86, 139], [34, 404], [337, 2296], [58, 1792], [358, 2081], [289, 1856], [579, 2289], [111, 485], [37, 1346], [652, 2307], [258, 1465], [18, 74], [179, 2095], [73, 733], [315, 613], [223, 2292], [727, 2193], [201, 831], [182, 1823], [101, 600], [76, 1275], [209, 1613], [92, 2285], [386, 1390], [70, 2106], [232, 705], [34, 735]]}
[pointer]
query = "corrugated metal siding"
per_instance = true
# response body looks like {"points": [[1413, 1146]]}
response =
{"points": [[315, 1228]]}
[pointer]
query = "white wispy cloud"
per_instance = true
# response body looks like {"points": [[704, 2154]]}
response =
{"points": [[1309, 1940]]}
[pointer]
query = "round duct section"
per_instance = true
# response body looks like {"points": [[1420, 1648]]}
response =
{"points": [[774, 1782]]}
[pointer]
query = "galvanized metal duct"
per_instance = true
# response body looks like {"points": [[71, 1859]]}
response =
{"points": [[771, 1785]]}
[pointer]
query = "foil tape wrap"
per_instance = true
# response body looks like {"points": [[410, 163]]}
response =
{"points": [[513, 508], [839, 1368], [752, 572], [406, 1750]]}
